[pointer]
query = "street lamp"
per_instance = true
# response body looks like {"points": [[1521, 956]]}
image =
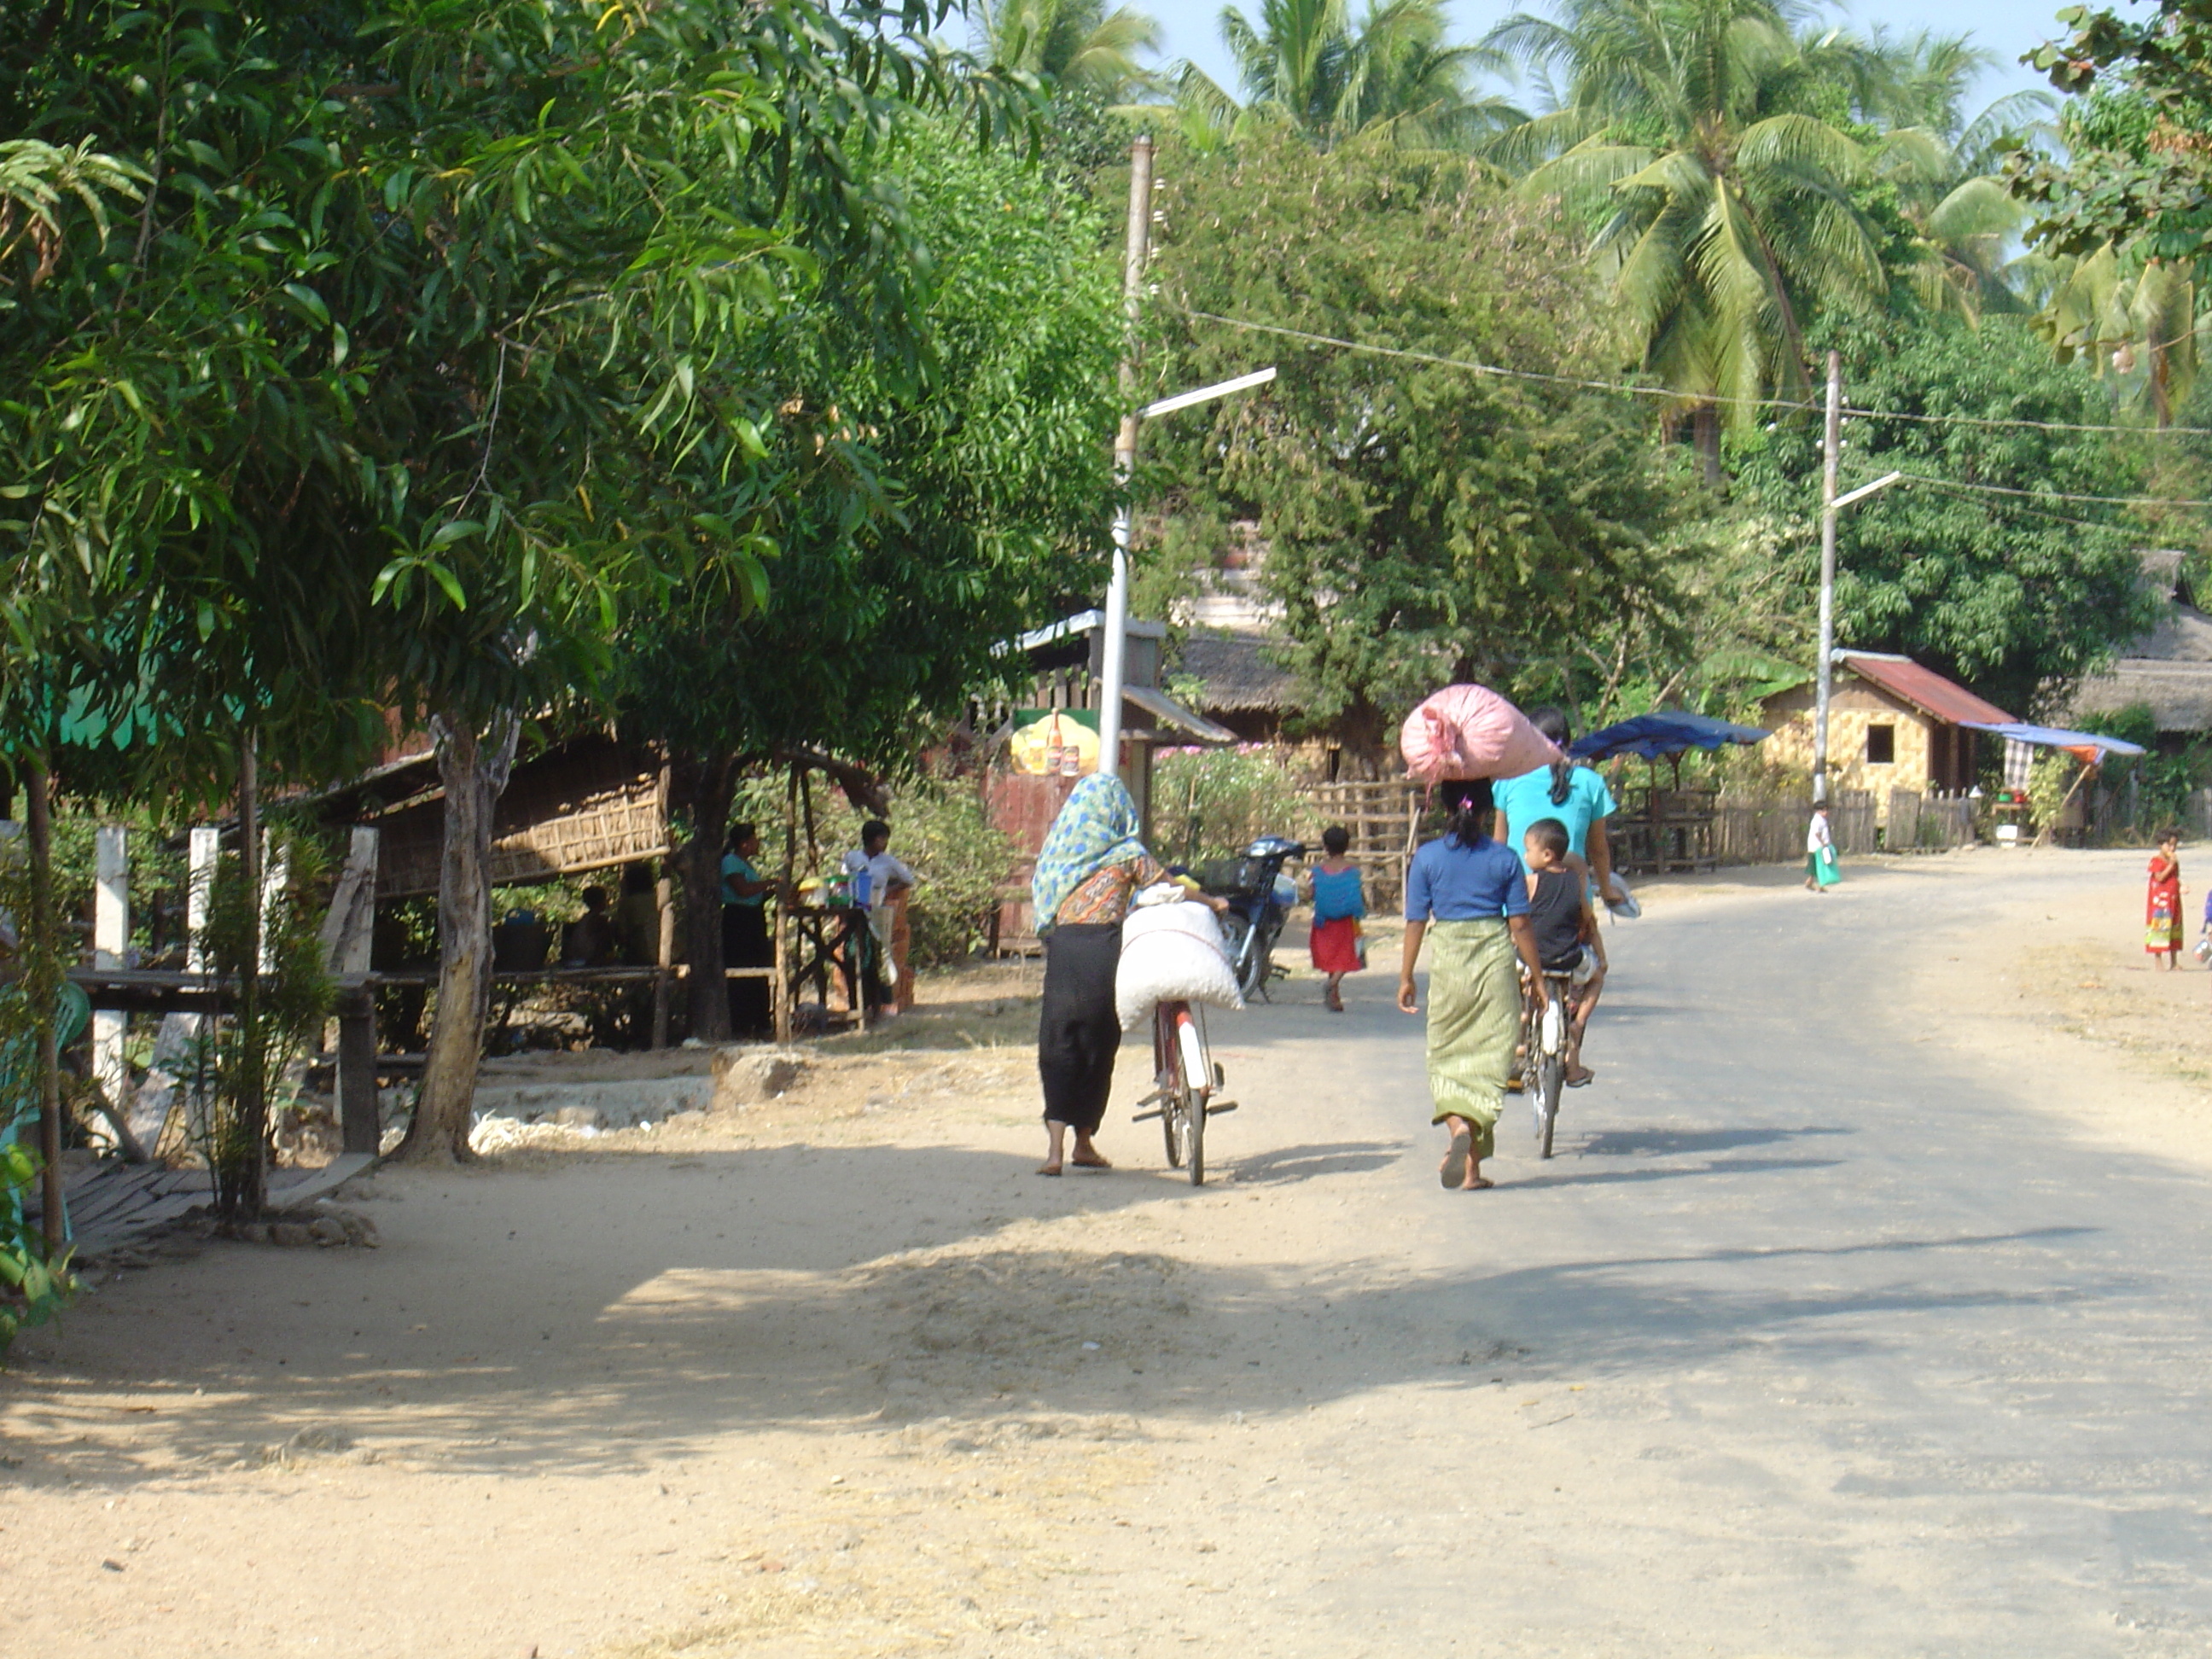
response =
{"points": [[1114, 670], [1824, 672]]}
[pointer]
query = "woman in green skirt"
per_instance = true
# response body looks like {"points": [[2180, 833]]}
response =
{"points": [[1465, 892]]}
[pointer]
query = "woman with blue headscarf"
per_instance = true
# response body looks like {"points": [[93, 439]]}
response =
{"points": [[1092, 864]]}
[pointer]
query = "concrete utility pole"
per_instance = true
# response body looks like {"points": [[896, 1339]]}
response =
{"points": [[1117, 644], [1824, 675]]}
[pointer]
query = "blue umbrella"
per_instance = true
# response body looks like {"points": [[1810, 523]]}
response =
{"points": [[1669, 732]]}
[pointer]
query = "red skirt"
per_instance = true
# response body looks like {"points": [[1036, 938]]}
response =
{"points": [[1335, 945]]}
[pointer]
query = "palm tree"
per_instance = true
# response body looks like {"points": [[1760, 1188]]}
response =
{"points": [[1946, 165], [1390, 74], [1721, 207], [1073, 43]]}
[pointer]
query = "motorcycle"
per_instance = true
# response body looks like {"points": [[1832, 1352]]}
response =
{"points": [[1259, 899]]}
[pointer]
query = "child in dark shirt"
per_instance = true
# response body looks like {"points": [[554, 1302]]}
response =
{"points": [[1565, 925]]}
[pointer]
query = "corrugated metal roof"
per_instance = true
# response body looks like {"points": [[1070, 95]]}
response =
{"points": [[1924, 689]]}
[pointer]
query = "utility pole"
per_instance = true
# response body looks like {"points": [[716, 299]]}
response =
{"points": [[1115, 643], [1824, 675]]}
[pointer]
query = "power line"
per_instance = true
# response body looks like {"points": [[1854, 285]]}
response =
{"points": [[1627, 388], [2032, 425], [2025, 512], [2055, 495], [1493, 369]]}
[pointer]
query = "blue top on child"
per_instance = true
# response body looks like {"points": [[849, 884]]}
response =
{"points": [[1337, 894]]}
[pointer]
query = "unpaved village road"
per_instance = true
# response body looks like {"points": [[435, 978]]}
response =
{"points": [[1856, 1317]]}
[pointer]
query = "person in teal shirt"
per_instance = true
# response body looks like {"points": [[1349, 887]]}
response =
{"points": [[1575, 795], [745, 940]]}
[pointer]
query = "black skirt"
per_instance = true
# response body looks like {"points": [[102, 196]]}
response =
{"points": [[1079, 1032], [746, 944]]}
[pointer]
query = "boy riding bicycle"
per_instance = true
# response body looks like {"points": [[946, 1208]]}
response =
{"points": [[1565, 926]]}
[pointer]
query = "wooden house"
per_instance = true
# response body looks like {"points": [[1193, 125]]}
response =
{"points": [[1892, 724], [2167, 669]]}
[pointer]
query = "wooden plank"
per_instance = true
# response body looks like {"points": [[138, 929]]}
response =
{"points": [[305, 1186]]}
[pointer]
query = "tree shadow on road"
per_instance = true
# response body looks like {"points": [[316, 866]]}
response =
{"points": [[1288, 1165]]}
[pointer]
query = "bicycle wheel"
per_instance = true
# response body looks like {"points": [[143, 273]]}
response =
{"points": [[1552, 1079], [1197, 1079], [1173, 1088]]}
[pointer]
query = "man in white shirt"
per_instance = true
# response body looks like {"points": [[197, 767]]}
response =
{"points": [[887, 878]]}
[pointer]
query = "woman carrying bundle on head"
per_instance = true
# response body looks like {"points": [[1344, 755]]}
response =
{"points": [[1466, 892]]}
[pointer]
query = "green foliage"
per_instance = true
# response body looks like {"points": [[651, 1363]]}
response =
{"points": [[1213, 803], [2134, 169], [2051, 778], [242, 1053], [1308, 66], [917, 527], [2015, 597], [1424, 522], [938, 826], [1713, 162], [33, 1290]]}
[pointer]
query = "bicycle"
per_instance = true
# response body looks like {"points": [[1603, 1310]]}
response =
{"points": [[1185, 1079], [1544, 1051]]}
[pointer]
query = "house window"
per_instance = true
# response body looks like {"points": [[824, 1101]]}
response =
{"points": [[1881, 745]]}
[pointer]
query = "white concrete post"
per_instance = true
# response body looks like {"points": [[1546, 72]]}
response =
{"points": [[111, 938], [206, 847], [275, 874]]}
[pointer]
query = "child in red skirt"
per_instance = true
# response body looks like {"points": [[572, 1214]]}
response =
{"points": [[2162, 908], [1338, 903]]}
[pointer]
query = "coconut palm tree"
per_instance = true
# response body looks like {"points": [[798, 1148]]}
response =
{"points": [[1721, 206], [1390, 74], [1073, 43], [1946, 164]]}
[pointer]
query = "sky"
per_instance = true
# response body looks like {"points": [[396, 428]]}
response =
{"points": [[2008, 30]]}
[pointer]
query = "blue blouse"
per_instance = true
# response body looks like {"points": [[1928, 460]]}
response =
{"points": [[1337, 894], [1451, 883]]}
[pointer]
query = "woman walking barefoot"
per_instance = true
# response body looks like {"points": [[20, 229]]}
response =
{"points": [[1467, 890], [1092, 864], [2162, 905]]}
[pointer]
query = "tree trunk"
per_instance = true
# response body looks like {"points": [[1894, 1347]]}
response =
{"points": [[704, 785], [40, 984], [1705, 432], [473, 766]]}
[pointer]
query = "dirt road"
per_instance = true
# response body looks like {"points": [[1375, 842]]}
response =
{"points": [[1865, 1311]]}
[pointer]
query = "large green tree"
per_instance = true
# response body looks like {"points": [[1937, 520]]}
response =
{"points": [[1713, 155], [1423, 522], [2018, 595], [916, 525], [1312, 65], [430, 357], [1080, 45]]}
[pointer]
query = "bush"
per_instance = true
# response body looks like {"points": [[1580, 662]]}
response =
{"points": [[938, 825], [1213, 803]]}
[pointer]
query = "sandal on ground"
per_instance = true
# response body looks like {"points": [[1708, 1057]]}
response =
{"points": [[1482, 1184], [1583, 1081], [1454, 1172]]}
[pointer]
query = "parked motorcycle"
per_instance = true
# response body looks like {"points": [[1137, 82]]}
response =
{"points": [[1259, 899]]}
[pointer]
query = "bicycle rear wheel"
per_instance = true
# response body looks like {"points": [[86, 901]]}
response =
{"points": [[1171, 1084], [1551, 1080], [1197, 1084]]}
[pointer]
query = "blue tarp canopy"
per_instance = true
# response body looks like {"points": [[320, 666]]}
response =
{"points": [[2053, 737], [1668, 733]]}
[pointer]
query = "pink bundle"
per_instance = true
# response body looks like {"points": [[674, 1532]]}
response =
{"points": [[1470, 731]]}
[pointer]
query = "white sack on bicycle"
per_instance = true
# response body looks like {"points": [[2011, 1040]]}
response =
{"points": [[1172, 953]]}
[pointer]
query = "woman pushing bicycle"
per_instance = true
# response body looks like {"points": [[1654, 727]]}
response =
{"points": [[1467, 891]]}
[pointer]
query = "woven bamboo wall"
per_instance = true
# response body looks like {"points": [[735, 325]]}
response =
{"points": [[590, 806]]}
